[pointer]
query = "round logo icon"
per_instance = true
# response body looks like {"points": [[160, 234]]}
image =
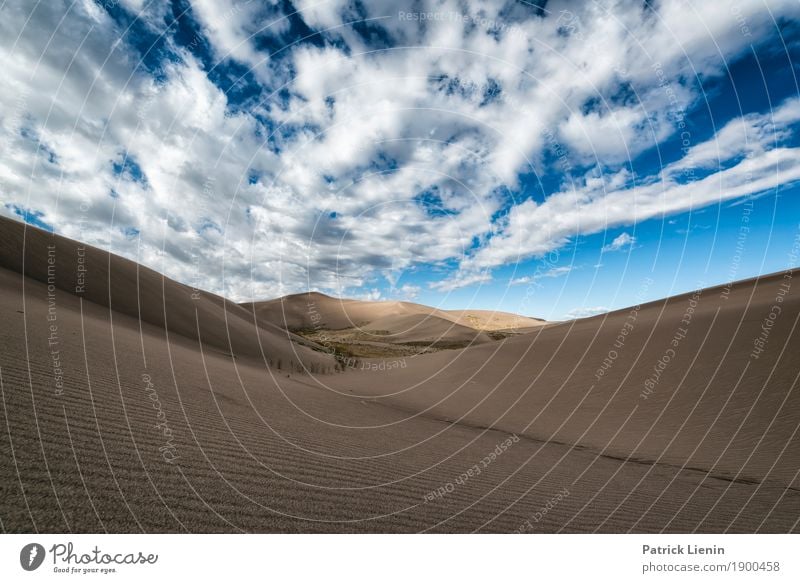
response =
{"points": [[31, 556]]}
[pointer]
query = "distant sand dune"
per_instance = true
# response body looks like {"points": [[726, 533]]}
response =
{"points": [[315, 310], [424, 328], [491, 321], [388, 322]]}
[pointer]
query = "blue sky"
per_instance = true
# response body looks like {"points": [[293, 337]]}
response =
{"points": [[557, 159]]}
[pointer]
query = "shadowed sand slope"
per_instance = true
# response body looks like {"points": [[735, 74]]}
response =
{"points": [[110, 424], [128, 288]]}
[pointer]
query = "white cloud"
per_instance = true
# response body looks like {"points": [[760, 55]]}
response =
{"points": [[407, 291], [234, 26], [460, 280], [586, 312], [372, 295], [534, 229], [550, 273], [749, 135], [623, 241]]}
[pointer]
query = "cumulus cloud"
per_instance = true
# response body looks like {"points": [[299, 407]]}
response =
{"points": [[534, 229], [323, 148], [407, 291], [623, 241]]}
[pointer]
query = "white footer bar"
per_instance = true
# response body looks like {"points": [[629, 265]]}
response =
{"points": [[400, 558]]}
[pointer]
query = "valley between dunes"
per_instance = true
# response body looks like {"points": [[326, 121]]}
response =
{"points": [[132, 403]]}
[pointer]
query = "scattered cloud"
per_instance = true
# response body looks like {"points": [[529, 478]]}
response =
{"points": [[586, 312], [461, 280], [407, 292], [623, 241], [372, 295], [550, 273], [535, 228]]}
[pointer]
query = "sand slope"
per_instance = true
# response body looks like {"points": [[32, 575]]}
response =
{"points": [[125, 287], [674, 382]]}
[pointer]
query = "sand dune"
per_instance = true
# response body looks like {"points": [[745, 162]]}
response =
{"points": [[678, 382], [128, 288], [489, 320], [424, 328], [111, 423], [315, 310]]}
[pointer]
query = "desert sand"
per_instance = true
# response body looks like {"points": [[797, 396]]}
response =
{"points": [[314, 310], [134, 406]]}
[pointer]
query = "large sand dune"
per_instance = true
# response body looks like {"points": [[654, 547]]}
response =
{"points": [[678, 382], [117, 419], [125, 287]]}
